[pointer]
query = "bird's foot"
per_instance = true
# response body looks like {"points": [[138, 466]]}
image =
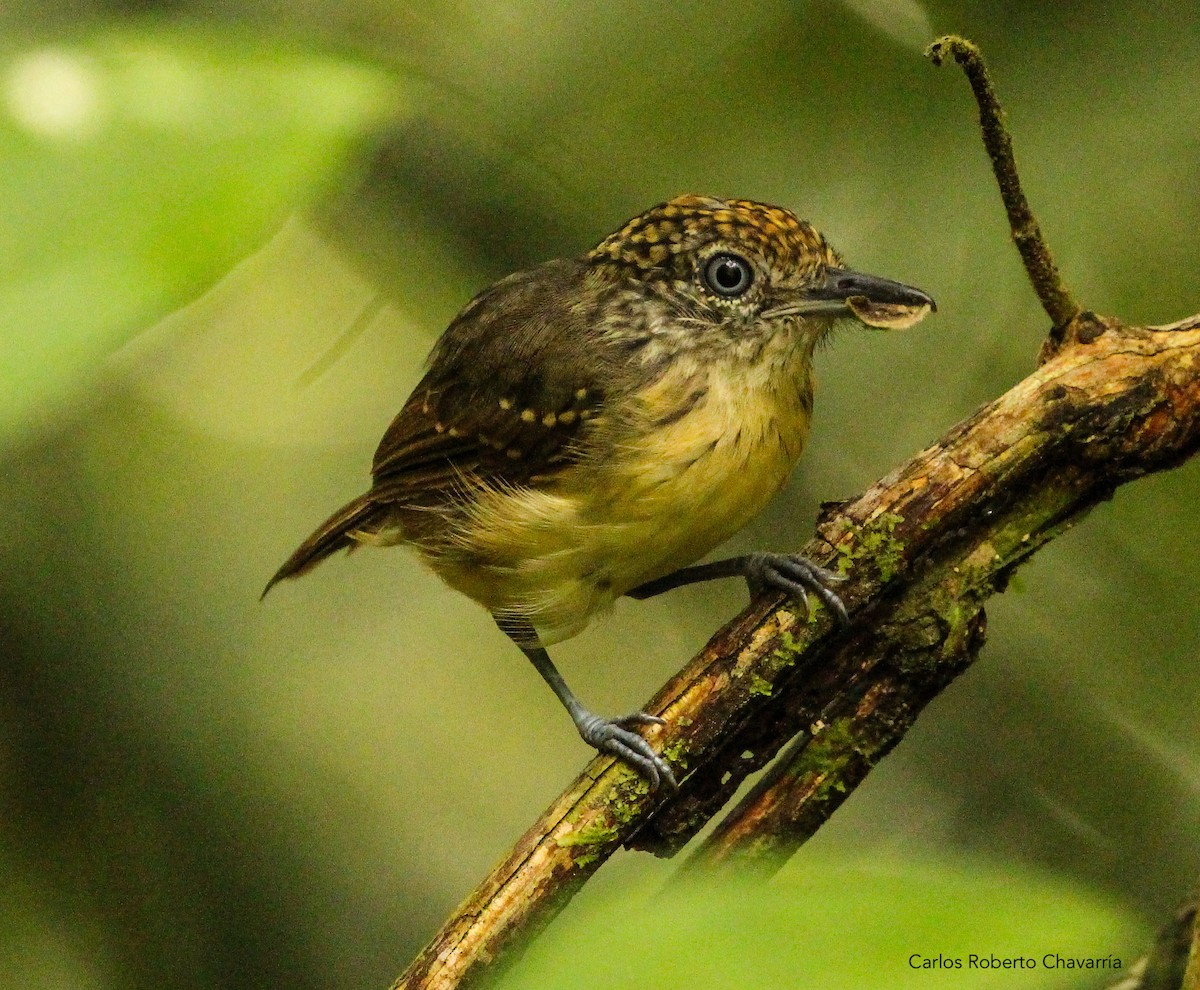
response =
{"points": [[796, 576], [615, 735]]}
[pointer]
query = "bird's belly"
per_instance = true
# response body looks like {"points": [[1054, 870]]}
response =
{"points": [[679, 500], [558, 557]]}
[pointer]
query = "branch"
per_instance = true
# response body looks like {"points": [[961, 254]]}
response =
{"points": [[1026, 468], [924, 548], [1173, 962], [816, 774]]}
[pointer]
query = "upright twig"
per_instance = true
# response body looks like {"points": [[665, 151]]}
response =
{"points": [[1058, 302]]}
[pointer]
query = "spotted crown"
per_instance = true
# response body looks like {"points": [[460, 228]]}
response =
{"points": [[658, 238]]}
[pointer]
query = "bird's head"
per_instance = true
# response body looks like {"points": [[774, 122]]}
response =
{"points": [[741, 266]]}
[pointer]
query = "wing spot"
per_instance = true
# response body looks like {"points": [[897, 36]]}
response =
{"points": [[440, 427], [513, 454], [504, 404], [581, 394], [549, 419], [528, 416], [568, 417]]}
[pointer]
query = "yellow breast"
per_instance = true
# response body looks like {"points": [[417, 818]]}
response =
{"points": [[701, 455], [688, 485]]}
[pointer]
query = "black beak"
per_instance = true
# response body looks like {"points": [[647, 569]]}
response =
{"points": [[841, 284], [834, 295]]}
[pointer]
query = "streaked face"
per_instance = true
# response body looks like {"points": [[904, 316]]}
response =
{"points": [[740, 262]]}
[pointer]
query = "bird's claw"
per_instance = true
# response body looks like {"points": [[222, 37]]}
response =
{"points": [[615, 736], [637, 718], [796, 576]]}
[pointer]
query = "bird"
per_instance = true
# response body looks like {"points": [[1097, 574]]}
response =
{"points": [[589, 428]]}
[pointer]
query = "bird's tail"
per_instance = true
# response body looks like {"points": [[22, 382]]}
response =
{"points": [[330, 537]]}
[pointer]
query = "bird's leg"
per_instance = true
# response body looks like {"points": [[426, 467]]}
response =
{"points": [[763, 571], [609, 735]]}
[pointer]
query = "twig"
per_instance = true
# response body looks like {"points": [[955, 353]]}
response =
{"points": [[1060, 306]]}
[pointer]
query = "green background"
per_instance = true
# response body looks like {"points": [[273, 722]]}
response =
{"points": [[229, 232]]}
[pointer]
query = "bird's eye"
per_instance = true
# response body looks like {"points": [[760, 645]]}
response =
{"points": [[728, 275]]}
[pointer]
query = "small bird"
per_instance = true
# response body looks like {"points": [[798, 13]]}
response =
{"points": [[591, 427]]}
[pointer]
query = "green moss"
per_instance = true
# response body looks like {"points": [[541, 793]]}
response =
{"points": [[875, 541], [782, 657], [827, 755], [622, 811], [789, 648], [1046, 512], [635, 785], [960, 629], [591, 835], [760, 685], [674, 751]]}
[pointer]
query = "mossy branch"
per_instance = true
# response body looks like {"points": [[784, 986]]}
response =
{"points": [[944, 532], [923, 548], [957, 520]]}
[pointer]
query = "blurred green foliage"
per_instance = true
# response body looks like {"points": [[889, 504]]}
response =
{"points": [[911, 923], [197, 790], [138, 167]]}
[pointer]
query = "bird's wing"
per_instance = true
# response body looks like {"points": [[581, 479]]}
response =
{"points": [[509, 389], [448, 431]]}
